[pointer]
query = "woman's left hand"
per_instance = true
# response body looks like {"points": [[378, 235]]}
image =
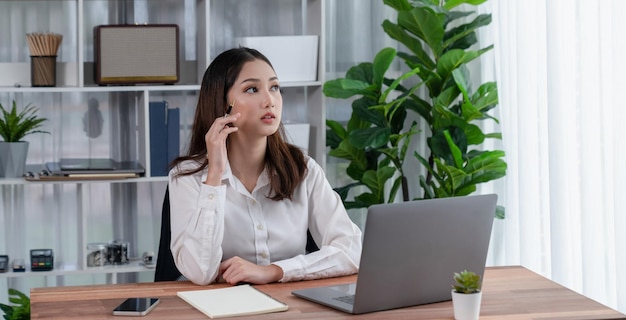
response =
{"points": [[236, 270]]}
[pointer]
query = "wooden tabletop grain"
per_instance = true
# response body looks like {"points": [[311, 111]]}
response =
{"points": [[508, 293]]}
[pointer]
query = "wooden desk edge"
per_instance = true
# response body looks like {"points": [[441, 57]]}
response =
{"points": [[169, 288], [511, 292], [157, 289]]}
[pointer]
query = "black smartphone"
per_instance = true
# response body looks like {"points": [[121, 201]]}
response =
{"points": [[136, 307]]}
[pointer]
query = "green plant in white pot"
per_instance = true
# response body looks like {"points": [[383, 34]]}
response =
{"points": [[14, 127], [466, 295]]}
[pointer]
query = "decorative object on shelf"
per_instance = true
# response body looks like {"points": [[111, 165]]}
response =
{"points": [[4, 263], [117, 252], [149, 259], [375, 140], [466, 295], [97, 255], [41, 259], [93, 119], [19, 309], [131, 54], [43, 58], [13, 127], [18, 265]]}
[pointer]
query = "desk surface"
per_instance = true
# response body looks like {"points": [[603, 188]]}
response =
{"points": [[508, 293]]}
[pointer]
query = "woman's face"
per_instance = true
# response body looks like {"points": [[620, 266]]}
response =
{"points": [[256, 95]]}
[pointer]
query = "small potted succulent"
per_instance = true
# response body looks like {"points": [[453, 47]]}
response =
{"points": [[466, 295], [13, 127]]}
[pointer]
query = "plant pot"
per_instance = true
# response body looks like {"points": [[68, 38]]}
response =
{"points": [[13, 158], [466, 305]]}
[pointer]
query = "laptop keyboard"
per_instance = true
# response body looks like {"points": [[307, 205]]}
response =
{"points": [[349, 299]]}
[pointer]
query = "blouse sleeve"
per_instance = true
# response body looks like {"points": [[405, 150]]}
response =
{"points": [[197, 223], [337, 236]]}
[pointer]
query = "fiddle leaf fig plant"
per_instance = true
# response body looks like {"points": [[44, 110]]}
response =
{"points": [[14, 126], [374, 140], [440, 41], [19, 309]]}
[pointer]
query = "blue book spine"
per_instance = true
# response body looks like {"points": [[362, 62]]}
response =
{"points": [[173, 134], [158, 138]]}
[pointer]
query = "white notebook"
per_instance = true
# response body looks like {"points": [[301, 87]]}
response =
{"points": [[232, 301]]}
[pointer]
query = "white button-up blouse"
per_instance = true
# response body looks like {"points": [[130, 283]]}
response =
{"points": [[211, 224]]}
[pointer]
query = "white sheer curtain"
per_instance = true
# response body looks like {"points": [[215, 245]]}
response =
{"points": [[560, 69]]}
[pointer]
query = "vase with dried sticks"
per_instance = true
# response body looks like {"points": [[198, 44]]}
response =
{"points": [[43, 54]]}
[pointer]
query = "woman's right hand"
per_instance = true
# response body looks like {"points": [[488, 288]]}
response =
{"points": [[215, 140]]}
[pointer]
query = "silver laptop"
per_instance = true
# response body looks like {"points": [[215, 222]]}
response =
{"points": [[411, 251], [97, 167], [87, 164]]}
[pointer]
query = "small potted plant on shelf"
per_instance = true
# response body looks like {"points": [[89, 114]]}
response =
{"points": [[466, 295], [13, 127]]}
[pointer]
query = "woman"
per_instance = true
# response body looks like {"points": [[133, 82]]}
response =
{"points": [[242, 199]]}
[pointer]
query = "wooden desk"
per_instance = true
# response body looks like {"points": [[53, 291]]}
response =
{"points": [[508, 293]]}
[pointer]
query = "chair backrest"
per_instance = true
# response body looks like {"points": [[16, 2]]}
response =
{"points": [[166, 269]]}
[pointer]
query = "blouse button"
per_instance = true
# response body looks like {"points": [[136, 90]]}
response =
{"points": [[211, 196], [259, 226], [264, 255]]}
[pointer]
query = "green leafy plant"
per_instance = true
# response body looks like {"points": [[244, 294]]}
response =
{"points": [[466, 282], [14, 126], [375, 139], [20, 308]]}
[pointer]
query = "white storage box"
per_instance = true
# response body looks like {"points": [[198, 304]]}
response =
{"points": [[298, 134], [294, 57]]}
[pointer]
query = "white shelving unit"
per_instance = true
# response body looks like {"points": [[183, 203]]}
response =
{"points": [[66, 216]]}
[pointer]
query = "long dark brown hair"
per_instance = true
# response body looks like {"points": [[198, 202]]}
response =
{"points": [[284, 162]]}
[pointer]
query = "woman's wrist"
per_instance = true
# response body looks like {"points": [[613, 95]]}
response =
{"points": [[213, 178], [277, 272]]}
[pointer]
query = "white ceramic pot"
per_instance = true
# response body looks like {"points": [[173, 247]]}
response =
{"points": [[466, 306], [12, 159]]}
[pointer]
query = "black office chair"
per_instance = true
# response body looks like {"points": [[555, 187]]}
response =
{"points": [[166, 269]]}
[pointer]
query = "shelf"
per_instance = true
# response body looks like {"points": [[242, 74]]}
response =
{"points": [[21, 181], [64, 270], [132, 88], [88, 120], [36, 168]]}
